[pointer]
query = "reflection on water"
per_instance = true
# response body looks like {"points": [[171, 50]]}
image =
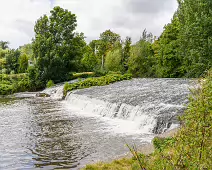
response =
{"points": [[40, 133]]}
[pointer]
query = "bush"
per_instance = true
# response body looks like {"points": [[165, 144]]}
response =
{"points": [[100, 81], [6, 89], [50, 83], [162, 143], [12, 83]]}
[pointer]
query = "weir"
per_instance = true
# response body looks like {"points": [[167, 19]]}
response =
{"points": [[152, 104]]}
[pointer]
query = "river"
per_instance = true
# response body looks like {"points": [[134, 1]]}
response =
{"points": [[47, 133]]}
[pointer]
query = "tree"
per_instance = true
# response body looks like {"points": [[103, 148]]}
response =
{"points": [[4, 45], [27, 49], [169, 63], [195, 37], [113, 61], [12, 61], [141, 59], [126, 52], [89, 60], [23, 63], [108, 41], [57, 47]]}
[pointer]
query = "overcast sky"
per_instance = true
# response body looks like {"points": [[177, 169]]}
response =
{"points": [[125, 17]]}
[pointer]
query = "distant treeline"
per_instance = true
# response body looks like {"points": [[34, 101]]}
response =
{"points": [[184, 49]]}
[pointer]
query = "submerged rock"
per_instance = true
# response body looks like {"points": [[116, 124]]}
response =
{"points": [[42, 95]]}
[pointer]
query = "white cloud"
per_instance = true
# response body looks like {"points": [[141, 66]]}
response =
{"points": [[126, 17], [17, 18]]}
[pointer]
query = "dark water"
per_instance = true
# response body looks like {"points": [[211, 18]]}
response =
{"points": [[40, 133]]}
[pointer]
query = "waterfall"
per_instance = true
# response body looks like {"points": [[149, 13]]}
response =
{"points": [[152, 104], [56, 92]]}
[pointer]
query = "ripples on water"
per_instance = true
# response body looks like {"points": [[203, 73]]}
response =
{"points": [[40, 133]]}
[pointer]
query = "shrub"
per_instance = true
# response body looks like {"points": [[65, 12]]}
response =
{"points": [[49, 84], [161, 143], [12, 83], [6, 89], [98, 81]]}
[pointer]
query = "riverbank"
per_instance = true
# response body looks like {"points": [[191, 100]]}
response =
{"points": [[189, 148], [149, 148]]}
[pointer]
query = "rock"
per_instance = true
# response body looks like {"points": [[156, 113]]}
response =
{"points": [[42, 95]]}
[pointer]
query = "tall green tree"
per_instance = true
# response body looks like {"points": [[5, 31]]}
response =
{"points": [[57, 47], [195, 36], [113, 61], [141, 59], [12, 63], [89, 60], [169, 63], [108, 41], [23, 63], [126, 52]]}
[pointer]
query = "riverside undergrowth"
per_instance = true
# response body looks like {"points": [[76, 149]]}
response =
{"points": [[11, 83], [96, 81], [191, 148]]}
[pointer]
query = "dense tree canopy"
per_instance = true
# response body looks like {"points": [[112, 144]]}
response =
{"points": [[57, 47], [140, 61], [195, 36], [168, 58]]}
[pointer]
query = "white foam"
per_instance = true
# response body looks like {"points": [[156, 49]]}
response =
{"points": [[123, 119]]}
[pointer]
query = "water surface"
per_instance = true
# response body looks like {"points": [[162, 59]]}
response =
{"points": [[40, 133]]}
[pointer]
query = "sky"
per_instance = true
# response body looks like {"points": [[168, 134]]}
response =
{"points": [[125, 17]]}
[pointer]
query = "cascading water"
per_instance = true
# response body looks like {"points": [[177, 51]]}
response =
{"points": [[56, 92], [152, 104]]}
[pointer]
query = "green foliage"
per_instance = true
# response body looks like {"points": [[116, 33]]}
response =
{"points": [[57, 47], [6, 89], [168, 60], [126, 53], [4, 45], [194, 142], [108, 41], [161, 143], [100, 81], [13, 83], [113, 61], [23, 63], [195, 38], [142, 59], [50, 83], [12, 61], [27, 49], [89, 61]]}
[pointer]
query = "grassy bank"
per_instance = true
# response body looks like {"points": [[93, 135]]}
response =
{"points": [[190, 148], [96, 81]]}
